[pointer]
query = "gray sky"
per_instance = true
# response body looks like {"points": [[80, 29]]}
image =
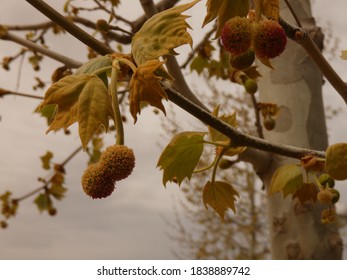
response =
{"points": [[127, 225]]}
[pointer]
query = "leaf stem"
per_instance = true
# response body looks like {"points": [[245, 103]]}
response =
{"points": [[101, 70], [205, 168], [216, 161], [115, 104]]}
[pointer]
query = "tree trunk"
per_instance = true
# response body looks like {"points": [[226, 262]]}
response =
{"points": [[296, 83]]}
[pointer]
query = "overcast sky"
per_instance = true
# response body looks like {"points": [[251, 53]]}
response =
{"points": [[129, 224]]}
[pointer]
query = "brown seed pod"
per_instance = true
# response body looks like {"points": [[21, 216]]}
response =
{"points": [[237, 35], [118, 161], [96, 183], [269, 39]]}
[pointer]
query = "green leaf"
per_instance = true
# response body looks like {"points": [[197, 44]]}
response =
{"points": [[83, 98], [161, 34], [43, 202], [181, 156], [220, 196], [95, 64], [199, 64], [57, 191], [46, 160], [287, 179], [48, 112], [224, 10]]}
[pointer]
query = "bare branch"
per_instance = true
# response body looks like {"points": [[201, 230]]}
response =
{"points": [[69, 62], [70, 27], [300, 36], [4, 92], [238, 138]]}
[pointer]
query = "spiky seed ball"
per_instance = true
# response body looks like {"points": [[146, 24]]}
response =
{"points": [[325, 196], [96, 183], [269, 39], [237, 35], [328, 216], [118, 161]]}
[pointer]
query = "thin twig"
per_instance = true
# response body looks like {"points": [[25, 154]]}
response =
{"points": [[4, 92], [257, 117], [70, 157], [301, 37], [73, 29], [69, 62], [293, 13]]}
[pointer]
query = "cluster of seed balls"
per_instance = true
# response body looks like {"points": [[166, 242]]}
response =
{"points": [[116, 163], [244, 39]]}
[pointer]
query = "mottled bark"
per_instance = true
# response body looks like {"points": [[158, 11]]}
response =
{"points": [[296, 84]]}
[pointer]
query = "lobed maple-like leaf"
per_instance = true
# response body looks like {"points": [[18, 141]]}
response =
{"points": [[218, 137], [287, 179], [46, 160], [271, 9], [307, 192], [79, 98], [336, 161], [161, 34], [145, 86], [181, 156], [43, 202], [220, 196], [224, 10]]}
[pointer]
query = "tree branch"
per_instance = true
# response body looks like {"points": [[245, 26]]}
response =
{"points": [[4, 92], [69, 62], [238, 138], [300, 36], [73, 29]]}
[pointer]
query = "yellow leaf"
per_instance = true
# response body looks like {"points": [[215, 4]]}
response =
{"points": [[287, 179], [215, 135], [344, 54], [83, 98], [220, 196], [224, 10], [94, 109], [144, 86], [271, 9], [161, 34]]}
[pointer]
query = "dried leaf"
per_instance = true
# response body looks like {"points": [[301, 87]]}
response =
{"points": [[161, 34], [344, 54], [220, 196], [224, 10], [181, 156], [271, 9], [287, 179], [307, 192], [144, 86]]}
